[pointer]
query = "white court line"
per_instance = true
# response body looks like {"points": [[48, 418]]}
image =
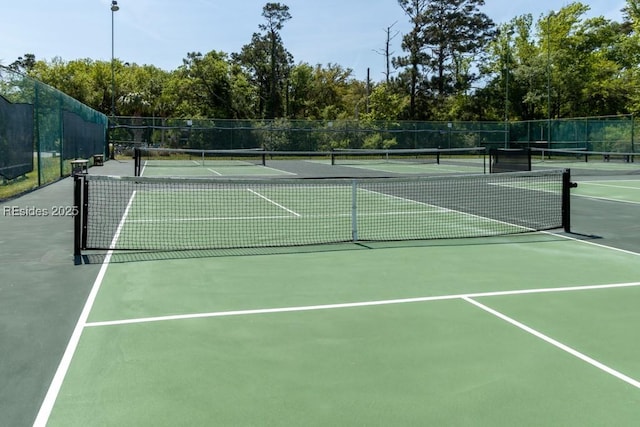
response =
{"points": [[65, 362], [215, 172], [404, 199], [213, 218], [557, 344], [608, 199], [587, 242], [273, 202], [466, 214], [258, 218], [433, 210], [467, 298], [278, 170], [358, 304], [600, 184], [432, 166], [524, 187]]}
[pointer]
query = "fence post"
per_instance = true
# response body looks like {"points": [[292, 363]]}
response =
{"points": [[632, 132]]}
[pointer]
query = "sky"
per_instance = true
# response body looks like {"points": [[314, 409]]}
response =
{"points": [[350, 33]]}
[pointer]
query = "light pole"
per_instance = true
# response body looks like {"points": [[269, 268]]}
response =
{"points": [[114, 9], [507, 59], [549, 78]]}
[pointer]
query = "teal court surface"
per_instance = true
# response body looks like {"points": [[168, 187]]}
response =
{"points": [[535, 328], [255, 163], [252, 165], [618, 190], [213, 169]]}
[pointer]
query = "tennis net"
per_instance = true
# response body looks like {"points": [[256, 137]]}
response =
{"points": [[510, 160], [158, 213], [585, 162], [185, 157], [408, 156], [466, 160]]}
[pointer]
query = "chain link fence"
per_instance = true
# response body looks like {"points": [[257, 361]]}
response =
{"points": [[41, 131], [614, 133]]}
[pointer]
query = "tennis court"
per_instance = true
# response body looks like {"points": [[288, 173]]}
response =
{"points": [[620, 190], [452, 334], [586, 162], [511, 327], [389, 162], [260, 163], [208, 169]]}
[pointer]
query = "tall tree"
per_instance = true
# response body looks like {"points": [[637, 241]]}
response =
{"points": [[268, 62], [455, 31], [629, 49], [24, 63], [276, 15], [386, 51], [584, 69], [205, 88], [413, 44], [445, 40], [517, 86]]}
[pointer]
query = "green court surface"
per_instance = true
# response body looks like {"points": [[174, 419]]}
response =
{"points": [[530, 329], [595, 165], [457, 166], [256, 170], [213, 170], [390, 334], [614, 190]]}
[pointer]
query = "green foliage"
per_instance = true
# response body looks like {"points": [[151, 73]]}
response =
{"points": [[377, 141], [205, 86], [267, 61], [385, 104], [454, 65], [273, 135]]}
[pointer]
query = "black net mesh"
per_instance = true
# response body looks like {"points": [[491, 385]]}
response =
{"points": [[82, 138], [16, 139], [138, 213], [510, 160]]}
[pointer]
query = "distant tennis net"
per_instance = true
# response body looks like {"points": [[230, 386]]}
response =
{"points": [[407, 156], [145, 213], [184, 157], [587, 163], [148, 157], [510, 160]]}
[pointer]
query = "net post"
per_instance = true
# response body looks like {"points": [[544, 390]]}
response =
{"points": [[354, 210], [77, 219], [484, 161], [136, 161], [85, 212], [567, 185]]}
